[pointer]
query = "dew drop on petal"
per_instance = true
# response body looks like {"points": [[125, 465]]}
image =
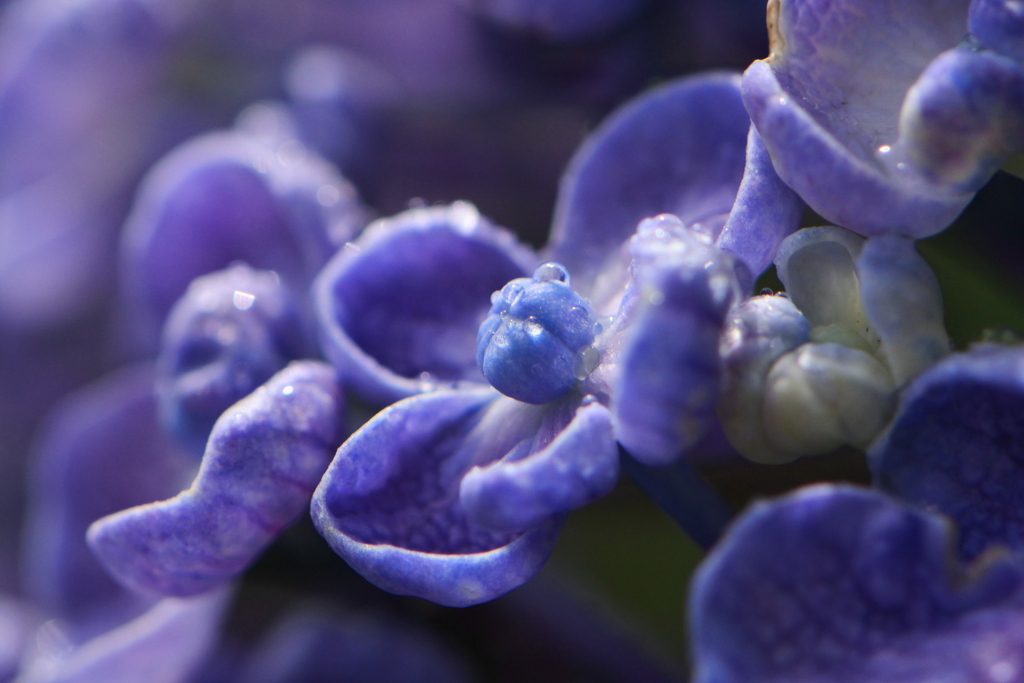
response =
{"points": [[243, 301], [551, 271]]}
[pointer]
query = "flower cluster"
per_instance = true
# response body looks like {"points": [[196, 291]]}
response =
{"points": [[207, 210]]}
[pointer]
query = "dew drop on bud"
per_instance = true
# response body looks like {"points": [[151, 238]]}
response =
{"points": [[587, 361], [547, 272]]}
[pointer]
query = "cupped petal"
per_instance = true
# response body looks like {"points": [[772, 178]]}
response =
{"points": [[579, 465], [103, 450], [262, 462], [229, 333], [399, 308], [557, 20], [253, 194], [389, 502], [765, 212], [955, 445], [677, 149], [668, 370], [846, 585], [164, 645], [824, 134], [963, 119]]}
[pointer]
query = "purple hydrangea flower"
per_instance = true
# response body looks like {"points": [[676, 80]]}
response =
{"points": [[955, 445], [840, 584], [881, 115], [457, 494]]}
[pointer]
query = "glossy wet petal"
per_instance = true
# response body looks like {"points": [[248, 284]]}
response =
{"points": [[827, 104], [400, 307], [249, 195], [566, 467], [102, 451], [262, 462], [677, 149], [230, 332], [389, 502], [955, 445], [839, 584], [669, 369]]}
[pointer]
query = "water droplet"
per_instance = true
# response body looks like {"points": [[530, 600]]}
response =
{"points": [[533, 326], [598, 329], [495, 297], [587, 361], [464, 217], [551, 271], [901, 165], [417, 203], [884, 149], [352, 248], [656, 298], [782, 99], [784, 295], [589, 399], [288, 390], [243, 301], [767, 291], [426, 382]]}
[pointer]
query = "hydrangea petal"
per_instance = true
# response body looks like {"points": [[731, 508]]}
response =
{"points": [[677, 149], [229, 333], [955, 445], [828, 98], [669, 367], [164, 645], [903, 303], [262, 462], [963, 118], [766, 211], [102, 451], [579, 465], [389, 502], [999, 26], [845, 585], [399, 308], [226, 196]]}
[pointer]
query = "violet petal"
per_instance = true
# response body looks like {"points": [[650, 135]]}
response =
{"points": [[389, 502], [262, 462]]}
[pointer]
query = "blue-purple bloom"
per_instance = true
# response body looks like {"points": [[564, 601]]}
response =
{"points": [[887, 116]]}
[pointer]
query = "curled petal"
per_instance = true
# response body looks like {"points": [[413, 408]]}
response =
{"points": [[389, 502], [846, 585], [766, 211], [244, 195], [669, 368], [102, 451], [580, 465], [677, 149], [164, 645], [827, 104], [963, 118], [229, 333], [955, 445], [903, 303], [399, 309], [264, 457], [759, 331], [999, 26]]}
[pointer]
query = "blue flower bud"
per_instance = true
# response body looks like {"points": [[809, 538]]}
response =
{"points": [[538, 339]]}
